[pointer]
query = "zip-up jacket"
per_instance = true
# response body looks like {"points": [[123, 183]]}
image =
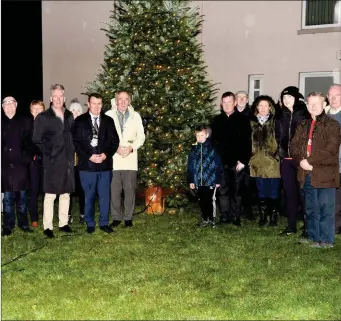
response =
{"points": [[204, 166], [286, 127]]}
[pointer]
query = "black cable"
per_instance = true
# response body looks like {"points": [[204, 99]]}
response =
{"points": [[37, 248], [24, 254]]}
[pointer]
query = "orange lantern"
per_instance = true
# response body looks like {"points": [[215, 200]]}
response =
{"points": [[154, 202]]}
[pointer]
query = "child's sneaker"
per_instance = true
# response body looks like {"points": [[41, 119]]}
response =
{"points": [[204, 223], [325, 245]]}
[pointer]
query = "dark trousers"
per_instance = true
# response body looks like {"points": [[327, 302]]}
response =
{"points": [[230, 199], [205, 195], [21, 209], [36, 179], [78, 193], [320, 209], [92, 183], [338, 209], [293, 198], [268, 187], [246, 193]]}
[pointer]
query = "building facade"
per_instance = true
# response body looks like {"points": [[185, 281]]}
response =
{"points": [[257, 46]]}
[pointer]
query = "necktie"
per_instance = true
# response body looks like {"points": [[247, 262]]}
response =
{"points": [[121, 120], [96, 125]]}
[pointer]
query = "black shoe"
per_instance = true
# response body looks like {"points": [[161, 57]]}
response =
{"points": [[106, 229], [66, 229], [128, 223], [6, 231], [49, 233], [26, 229], [236, 222], [81, 219], [90, 229], [115, 223], [287, 232]]}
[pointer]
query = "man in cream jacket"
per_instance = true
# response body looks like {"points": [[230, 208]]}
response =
{"points": [[130, 130]]}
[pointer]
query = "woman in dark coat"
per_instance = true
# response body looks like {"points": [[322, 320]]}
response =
{"points": [[264, 162], [16, 155], [36, 169]]}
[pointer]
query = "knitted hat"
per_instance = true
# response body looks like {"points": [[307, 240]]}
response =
{"points": [[292, 91]]}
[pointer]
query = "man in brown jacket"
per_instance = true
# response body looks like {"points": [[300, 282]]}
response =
{"points": [[315, 147]]}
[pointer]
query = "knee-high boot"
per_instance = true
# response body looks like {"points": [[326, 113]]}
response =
{"points": [[262, 212], [273, 211]]}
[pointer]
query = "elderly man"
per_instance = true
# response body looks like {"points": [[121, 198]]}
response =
{"points": [[315, 147], [242, 103], [334, 111], [53, 136], [16, 156], [130, 131]]}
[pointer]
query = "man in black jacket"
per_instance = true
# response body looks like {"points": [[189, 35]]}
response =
{"points": [[231, 136], [96, 141], [293, 112], [16, 155]]}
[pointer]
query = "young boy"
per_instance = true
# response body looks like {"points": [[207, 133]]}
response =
{"points": [[204, 172]]}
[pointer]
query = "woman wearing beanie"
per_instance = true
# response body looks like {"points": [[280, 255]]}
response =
{"points": [[294, 111], [264, 163]]}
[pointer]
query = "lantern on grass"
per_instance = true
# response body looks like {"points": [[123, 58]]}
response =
{"points": [[154, 201]]}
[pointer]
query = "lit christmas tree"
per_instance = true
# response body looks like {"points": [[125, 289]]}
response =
{"points": [[155, 55]]}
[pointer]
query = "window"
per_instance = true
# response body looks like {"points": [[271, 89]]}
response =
{"points": [[256, 87], [317, 81], [321, 13]]}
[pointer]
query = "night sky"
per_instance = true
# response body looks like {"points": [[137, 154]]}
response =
{"points": [[21, 52]]}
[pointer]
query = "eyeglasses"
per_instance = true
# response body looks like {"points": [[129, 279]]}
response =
{"points": [[9, 102]]}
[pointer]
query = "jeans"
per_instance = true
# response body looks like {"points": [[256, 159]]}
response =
{"points": [[320, 209], [21, 209], [268, 187]]}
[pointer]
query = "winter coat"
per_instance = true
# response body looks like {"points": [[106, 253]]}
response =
{"points": [[108, 142], [54, 139], [16, 152], [246, 112], [287, 124], [337, 117], [325, 151], [231, 137], [133, 135], [264, 162], [204, 167]]}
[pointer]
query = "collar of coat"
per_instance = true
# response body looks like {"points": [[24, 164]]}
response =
{"points": [[66, 112]]}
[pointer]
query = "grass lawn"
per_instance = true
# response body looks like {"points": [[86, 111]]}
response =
{"points": [[165, 268]]}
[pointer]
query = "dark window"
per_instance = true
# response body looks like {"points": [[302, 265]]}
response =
{"points": [[322, 12]]}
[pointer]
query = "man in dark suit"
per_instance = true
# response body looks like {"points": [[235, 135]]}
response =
{"points": [[96, 141]]}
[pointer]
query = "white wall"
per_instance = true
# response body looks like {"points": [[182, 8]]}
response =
{"points": [[260, 37], [239, 37]]}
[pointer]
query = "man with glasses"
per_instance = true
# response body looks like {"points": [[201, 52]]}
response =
{"points": [[16, 155]]}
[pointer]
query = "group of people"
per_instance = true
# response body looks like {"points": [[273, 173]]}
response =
{"points": [[289, 146], [68, 151]]}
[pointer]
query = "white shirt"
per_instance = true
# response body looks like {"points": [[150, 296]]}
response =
{"points": [[93, 119]]}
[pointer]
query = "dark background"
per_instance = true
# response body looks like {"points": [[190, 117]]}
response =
{"points": [[21, 52]]}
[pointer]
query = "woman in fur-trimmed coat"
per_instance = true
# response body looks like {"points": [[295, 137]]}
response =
{"points": [[264, 163]]}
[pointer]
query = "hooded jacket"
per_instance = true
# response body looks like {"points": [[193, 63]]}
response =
{"points": [[264, 162], [133, 135]]}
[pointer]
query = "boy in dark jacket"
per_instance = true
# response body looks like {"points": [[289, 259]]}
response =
{"points": [[204, 173]]}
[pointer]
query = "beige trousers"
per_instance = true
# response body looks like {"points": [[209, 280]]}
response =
{"points": [[64, 203]]}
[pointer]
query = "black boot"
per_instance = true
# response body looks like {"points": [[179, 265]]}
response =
{"points": [[273, 211], [262, 212]]}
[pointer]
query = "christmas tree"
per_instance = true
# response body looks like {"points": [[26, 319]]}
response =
{"points": [[155, 55]]}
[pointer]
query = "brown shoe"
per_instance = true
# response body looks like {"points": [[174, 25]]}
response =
{"points": [[34, 224]]}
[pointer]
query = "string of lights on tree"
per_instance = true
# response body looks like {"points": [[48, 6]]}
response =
{"points": [[154, 53]]}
